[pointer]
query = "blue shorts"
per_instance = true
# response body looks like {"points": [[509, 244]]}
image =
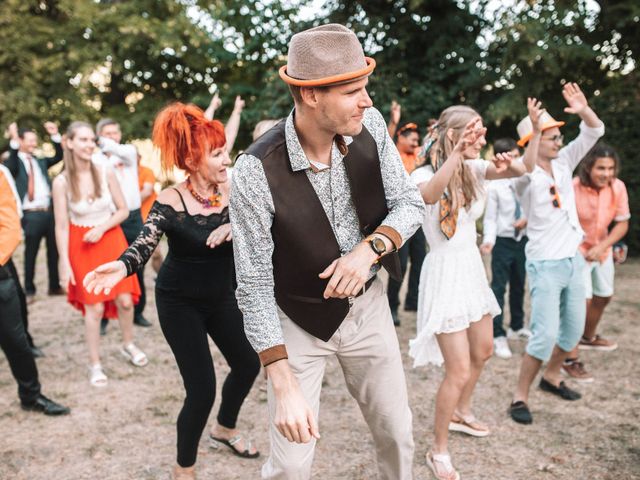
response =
{"points": [[558, 306]]}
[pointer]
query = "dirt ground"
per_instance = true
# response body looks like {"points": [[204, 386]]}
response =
{"points": [[127, 430]]}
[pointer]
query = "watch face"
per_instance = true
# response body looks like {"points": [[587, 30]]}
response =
{"points": [[378, 246]]}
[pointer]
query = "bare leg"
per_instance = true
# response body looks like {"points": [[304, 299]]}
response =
{"points": [[480, 335], [455, 350], [92, 317], [528, 370], [595, 309], [552, 373], [125, 317]]}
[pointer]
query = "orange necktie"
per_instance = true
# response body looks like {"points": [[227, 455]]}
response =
{"points": [[31, 180]]}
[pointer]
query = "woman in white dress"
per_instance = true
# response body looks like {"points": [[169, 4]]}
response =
{"points": [[455, 305]]}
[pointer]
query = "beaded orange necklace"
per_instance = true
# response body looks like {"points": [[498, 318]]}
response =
{"points": [[213, 201]]}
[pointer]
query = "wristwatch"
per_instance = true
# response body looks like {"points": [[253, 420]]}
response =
{"points": [[377, 245]]}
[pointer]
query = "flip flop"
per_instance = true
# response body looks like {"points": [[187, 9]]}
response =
{"points": [[215, 443]]}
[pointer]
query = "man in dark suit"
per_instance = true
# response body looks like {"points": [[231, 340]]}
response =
{"points": [[34, 189]]}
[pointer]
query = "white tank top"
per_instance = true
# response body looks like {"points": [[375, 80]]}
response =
{"points": [[85, 213]]}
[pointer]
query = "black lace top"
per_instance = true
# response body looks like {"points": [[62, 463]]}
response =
{"points": [[186, 233]]}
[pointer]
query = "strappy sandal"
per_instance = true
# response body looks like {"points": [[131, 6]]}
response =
{"points": [[468, 424], [216, 442], [97, 378], [134, 355], [443, 459]]}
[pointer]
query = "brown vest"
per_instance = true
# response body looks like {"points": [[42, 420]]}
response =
{"points": [[304, 243]]}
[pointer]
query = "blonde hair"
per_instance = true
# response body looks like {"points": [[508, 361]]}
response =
{"points": [[70, 169], [263, 126], [463, 187]]}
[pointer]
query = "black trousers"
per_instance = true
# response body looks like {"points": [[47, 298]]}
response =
{"points": [[131, 228], [415, 249], [13, 340], [508, 266], [186, 323], [38, 225], [22, 299]]}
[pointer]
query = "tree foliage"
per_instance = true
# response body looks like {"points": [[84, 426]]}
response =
{"points": [[77, 59]]}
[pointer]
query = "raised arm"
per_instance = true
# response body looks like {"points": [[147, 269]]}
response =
{"points": [[432, 190], [214, 104], [394, 118], [531, 152], [504, 165], [233, 124], [56, 139], [126, 152]]}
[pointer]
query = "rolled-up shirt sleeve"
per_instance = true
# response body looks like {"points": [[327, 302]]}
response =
{"points": [[251, 210], [405, 204]]}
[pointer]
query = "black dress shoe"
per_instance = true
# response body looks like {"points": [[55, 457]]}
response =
{"points": [[36, 352], [519, 412], [56, 291], [46, 406], [141, 321], [561, 390]]}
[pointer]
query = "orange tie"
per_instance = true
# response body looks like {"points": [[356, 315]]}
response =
{"points": [[31, 180]]}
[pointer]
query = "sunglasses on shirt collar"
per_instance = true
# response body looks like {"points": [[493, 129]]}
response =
{"points": [[556, 196]]}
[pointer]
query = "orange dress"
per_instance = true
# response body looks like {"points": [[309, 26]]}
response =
{"points": [[85, 257], [145, 175]]}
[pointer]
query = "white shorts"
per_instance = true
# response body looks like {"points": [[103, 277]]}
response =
{"points": [[598, 278]]}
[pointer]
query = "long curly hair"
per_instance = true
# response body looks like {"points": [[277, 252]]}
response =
{"points": [[463, 187], [185, 137]]}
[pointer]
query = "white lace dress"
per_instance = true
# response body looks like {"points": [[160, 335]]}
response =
{"points": [[454, 291]]}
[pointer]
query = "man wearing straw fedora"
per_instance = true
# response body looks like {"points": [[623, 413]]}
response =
{"points": [[554, 263], [318, 205]]}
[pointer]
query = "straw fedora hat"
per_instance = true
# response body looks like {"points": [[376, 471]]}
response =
{"points": [[525, 127], [326, 55]]}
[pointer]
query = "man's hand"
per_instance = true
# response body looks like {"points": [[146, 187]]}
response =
{"points": [[534, 106], [486, 248], [51, 128], [520, 223], [12, 131], [396, 111], [502, 161], [594, 253], [294, 418], [574, 97], [349, 273]]}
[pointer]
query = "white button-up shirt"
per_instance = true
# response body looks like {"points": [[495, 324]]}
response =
{"points": [[41, 190], [555, 233], [501, 212], [123, 158]]}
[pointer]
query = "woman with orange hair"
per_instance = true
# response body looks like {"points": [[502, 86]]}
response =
{"points": [[195, 288]]}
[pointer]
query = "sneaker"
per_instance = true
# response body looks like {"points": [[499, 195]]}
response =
{"points": [[522, 334], [501, 348], [576, 371], [597, 343], [561, 390]]}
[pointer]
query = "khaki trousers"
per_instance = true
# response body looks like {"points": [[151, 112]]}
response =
{"points": [[367, 349]]}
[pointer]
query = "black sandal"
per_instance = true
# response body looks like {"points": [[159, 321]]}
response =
{"points": [[216, 442]]}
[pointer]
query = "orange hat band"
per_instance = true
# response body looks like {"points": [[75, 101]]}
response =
{"points": [[321, 82]]}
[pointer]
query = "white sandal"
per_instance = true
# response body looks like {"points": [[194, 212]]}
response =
{"points": [[443, 459], [97, 378], [134, 355], [468, 424]]}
